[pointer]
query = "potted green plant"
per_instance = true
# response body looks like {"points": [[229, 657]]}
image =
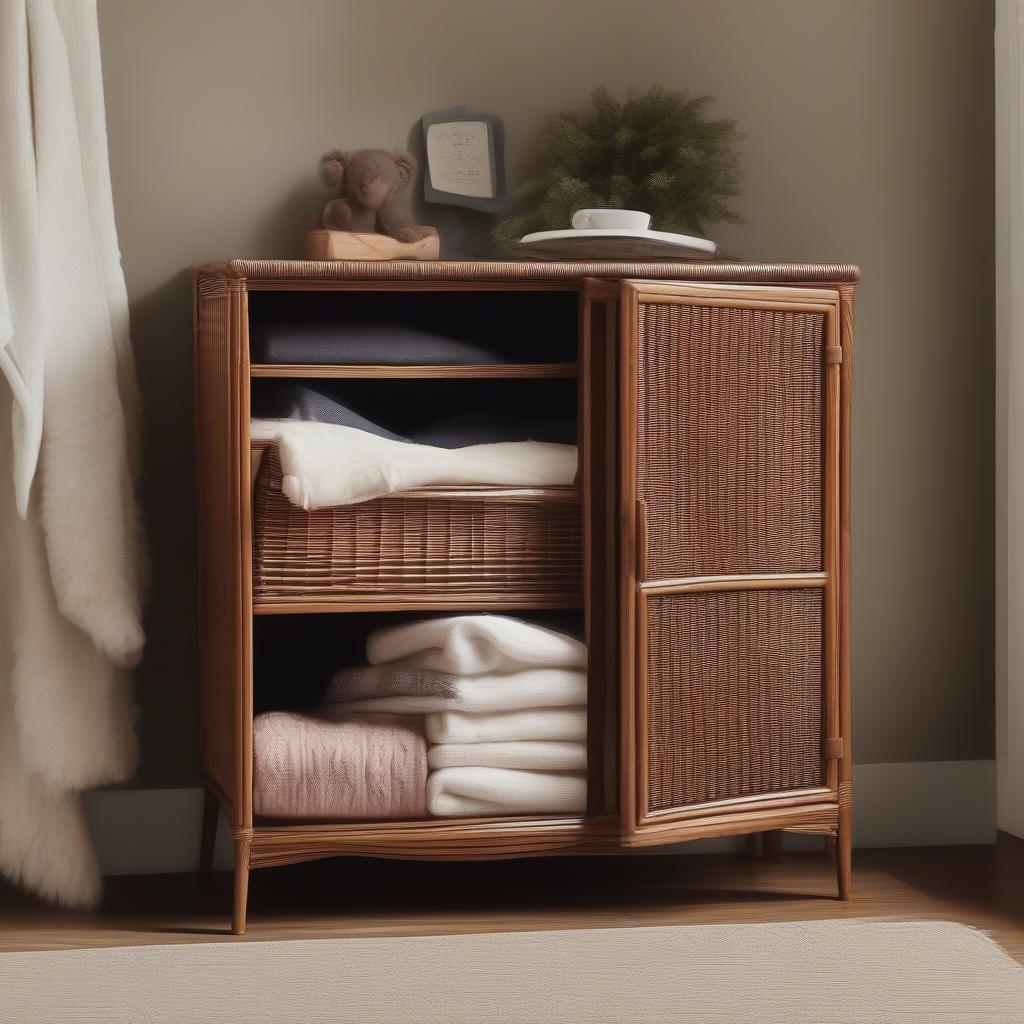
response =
{"points": [[655, 152]]}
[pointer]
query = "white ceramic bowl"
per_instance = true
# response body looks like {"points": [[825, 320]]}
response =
{"points": [[630, 220]]}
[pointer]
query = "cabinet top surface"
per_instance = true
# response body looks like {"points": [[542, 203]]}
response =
{"points": [[312, 271]]}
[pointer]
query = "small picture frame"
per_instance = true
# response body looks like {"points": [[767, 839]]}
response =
{"points": [[465, 159]]}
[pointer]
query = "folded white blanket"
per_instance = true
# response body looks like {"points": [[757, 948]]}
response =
{"points": [[552, 755], [397, 689], [324, 464], [468, 645], [506, 726], [457, 792]]}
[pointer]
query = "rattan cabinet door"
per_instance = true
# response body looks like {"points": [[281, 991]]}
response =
{"points": [[730, 508]]}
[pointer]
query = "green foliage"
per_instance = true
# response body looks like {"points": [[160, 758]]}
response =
{"points": [[656, 152]]}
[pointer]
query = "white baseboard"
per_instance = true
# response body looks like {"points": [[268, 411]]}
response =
{"points": [[927, 803]]}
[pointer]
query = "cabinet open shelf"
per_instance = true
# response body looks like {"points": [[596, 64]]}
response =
{"points": [[523, 371], [414, 333]]}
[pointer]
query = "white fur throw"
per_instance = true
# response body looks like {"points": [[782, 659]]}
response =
{"points": [[553, 755], [396, 689], [468, 645], [70, 617], [324, 464], [504, 726], [455, 792]]}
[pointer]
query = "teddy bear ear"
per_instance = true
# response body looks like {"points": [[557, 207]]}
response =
{"points": [[332, 167], [405, 163]]}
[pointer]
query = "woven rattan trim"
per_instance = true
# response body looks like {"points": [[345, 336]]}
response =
{"points": [[729, 439], [734, 695], [415, 544], [486, 270]]}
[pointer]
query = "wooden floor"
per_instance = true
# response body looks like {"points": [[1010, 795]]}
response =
{"points": [[980, 886]]}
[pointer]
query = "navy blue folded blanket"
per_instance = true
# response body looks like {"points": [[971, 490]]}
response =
{"points": [[411, 329], [295, 401]]}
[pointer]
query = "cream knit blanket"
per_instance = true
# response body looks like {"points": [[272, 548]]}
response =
{"points": [[324, 464]]}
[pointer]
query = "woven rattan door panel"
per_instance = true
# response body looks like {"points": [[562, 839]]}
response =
{"points": [[729, 466], [729, 438], [734, 695]]}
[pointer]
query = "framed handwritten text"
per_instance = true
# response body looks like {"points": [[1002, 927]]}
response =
{"points": [[465, 159]]}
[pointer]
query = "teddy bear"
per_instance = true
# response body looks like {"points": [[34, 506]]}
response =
{"points": [[369, 182]]}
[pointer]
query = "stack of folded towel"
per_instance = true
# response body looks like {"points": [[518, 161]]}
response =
{"points": [[504, 703]]}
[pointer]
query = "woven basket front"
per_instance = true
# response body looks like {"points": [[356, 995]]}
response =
{"points": [[407, 544]]}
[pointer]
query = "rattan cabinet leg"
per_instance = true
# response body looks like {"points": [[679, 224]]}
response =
{"points": [[844, 853], [241, 895], [773, 845], [765, 845], [211, 815]]}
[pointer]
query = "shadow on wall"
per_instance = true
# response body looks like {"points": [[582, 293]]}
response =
{"points": [[161, 323]]}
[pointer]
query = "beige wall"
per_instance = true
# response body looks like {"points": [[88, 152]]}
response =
{"points": [[869, 138]]}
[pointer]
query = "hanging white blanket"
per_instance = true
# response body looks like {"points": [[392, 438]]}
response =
{"points": [[69, 530]]}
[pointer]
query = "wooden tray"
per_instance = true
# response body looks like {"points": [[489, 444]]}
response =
{"points": [[354, 245]]}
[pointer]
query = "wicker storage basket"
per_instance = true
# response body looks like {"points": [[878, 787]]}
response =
{"points": [[438, 544]]}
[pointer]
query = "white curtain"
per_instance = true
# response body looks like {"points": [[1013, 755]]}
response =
{"points": [[1010, 415], [70, 552]]}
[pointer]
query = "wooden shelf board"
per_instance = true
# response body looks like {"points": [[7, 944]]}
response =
{"points": [[434, 838], [404, 826], [512, 371], [434, 602]]}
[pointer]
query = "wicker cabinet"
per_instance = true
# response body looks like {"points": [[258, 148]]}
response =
{"points": [[705, 547]]}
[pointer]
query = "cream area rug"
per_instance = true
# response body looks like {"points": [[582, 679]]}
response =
{"points": [[825, 972]]}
